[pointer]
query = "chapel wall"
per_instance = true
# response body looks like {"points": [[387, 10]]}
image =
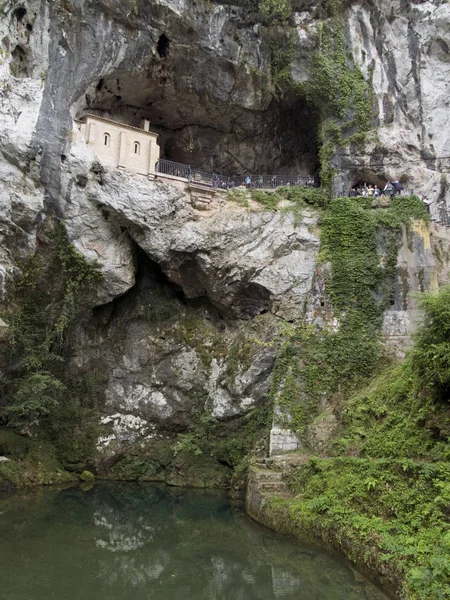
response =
{"points": [[120, 147]]}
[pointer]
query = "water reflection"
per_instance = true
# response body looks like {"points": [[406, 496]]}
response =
{"points": [[126, 541]]}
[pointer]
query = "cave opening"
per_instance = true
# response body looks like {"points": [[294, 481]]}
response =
{"points": [[19, 65], [205, 131], [153, 298], [163, 45], [19, 13]]}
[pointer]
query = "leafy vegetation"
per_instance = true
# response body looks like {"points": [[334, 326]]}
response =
{"points": [[336, 87], [276, 11], [315, 364], [389, 513], [383, 496], [53, 293], [430, 358], [404, 412], [31, 462], [343, 95]]}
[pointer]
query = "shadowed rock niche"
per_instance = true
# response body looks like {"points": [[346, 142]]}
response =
{"points": [[203, 126]]}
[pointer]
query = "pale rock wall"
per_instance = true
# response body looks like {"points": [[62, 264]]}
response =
{"points": [[405, 45]]}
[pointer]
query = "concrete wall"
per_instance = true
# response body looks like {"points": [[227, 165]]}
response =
{"points": [[122, 147]]}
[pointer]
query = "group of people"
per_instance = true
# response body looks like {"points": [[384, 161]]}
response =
{"points": [[274, 182], [225, 183], [260, 182], [390, 189]]}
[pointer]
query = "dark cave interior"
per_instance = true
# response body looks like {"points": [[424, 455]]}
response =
{"points": [[199, 130]]}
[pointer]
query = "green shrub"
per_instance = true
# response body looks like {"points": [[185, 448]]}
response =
{"points": [[430, 357], [53, 294], [278, 11], [392, 513]]}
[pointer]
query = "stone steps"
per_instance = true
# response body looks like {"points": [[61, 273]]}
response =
{"points": [[265, 480], [272, 486], [264, 476]]}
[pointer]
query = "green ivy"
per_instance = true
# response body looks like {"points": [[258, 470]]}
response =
{"points": [[54, 291], [315, 364], [335, 87], [342, 94], [299, 197], [276, 11]]}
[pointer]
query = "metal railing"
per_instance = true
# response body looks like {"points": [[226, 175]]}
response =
{"points": [[167, 167], [214, 180]]}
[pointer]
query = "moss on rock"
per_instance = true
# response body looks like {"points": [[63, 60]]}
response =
{"points": [[87, 477], [30, 462]]}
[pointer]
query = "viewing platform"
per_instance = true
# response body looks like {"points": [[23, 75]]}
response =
{"points": [[171, 170]]}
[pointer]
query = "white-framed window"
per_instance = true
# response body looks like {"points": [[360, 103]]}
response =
{"points": [[106, 139], [137, 148]]}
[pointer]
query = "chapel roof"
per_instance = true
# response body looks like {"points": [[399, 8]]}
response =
{"points": [[124, 125]]}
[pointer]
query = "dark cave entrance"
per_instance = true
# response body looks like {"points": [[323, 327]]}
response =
{"points": [[199, 130], [162, 47], [154, 298]]}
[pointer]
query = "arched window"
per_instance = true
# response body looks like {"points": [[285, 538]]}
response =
{"points": [[137, 148], [107, 139]]}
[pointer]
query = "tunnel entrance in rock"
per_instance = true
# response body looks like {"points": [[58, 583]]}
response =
{"points": [[19, 13], [153, 298], [205, 131], [19, 65]]}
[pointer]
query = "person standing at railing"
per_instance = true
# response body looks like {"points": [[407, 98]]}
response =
{"points": [[260, 181], [248, 182], [397, 187], [274, 182], [427, 204], [389, 189]]}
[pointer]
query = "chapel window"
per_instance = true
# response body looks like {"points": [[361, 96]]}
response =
{"points": [[107, 139], [137, 148]]}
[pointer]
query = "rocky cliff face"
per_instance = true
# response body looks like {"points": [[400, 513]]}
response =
{"points": [[212, 79]]}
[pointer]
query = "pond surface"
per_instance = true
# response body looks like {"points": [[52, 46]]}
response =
{"points": [[144, 542]]}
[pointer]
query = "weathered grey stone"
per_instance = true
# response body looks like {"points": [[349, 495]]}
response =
{"points": [[282, 441], [321, 430]]}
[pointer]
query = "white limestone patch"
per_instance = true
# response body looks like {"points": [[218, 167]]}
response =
{"points": [[186, 365], [138, 397], [224, 405], [125, 427]]}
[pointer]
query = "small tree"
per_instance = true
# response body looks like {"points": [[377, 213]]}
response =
{"points": [[36, 396]]}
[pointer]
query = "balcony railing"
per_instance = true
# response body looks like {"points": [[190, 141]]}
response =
{"points": [[214, 180]]}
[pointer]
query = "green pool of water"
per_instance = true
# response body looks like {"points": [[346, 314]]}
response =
{"points": [[145, 542]]}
